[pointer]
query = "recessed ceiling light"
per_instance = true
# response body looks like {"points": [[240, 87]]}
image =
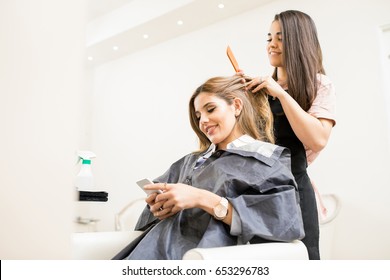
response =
{"points": [[221, 6], [146, 36], [90, 58], [180, 22], [115, 48]]}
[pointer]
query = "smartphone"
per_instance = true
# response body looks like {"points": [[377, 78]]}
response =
{"points": [[143, 182], [232, 59]]}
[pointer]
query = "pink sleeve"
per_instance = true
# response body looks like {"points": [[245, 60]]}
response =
{"points": [[324, 104], [323, 107]]}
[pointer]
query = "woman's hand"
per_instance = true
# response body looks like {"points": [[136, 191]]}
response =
{"points": [[175, 197], [245, 79], [156, 207], [267, 83], [312, 132]]}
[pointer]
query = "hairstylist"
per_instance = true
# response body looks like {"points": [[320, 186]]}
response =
{"points": [[302, 100]]}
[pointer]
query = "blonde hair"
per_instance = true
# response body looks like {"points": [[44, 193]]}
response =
{"points": [[255, 118]]}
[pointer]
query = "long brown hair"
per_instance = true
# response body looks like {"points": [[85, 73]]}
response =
{"points": [[255, 118], [302, 56]]}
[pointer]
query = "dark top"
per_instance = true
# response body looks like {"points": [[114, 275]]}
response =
{"points": [[285, 137]]}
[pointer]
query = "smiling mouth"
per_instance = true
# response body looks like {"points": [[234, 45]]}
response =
{"points": [[210, 129]]}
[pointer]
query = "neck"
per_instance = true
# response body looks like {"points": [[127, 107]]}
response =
{"points": [[282, 77]]}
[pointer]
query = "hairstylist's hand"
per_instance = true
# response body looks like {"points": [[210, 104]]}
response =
{"points": [[245, 79], [267, 83], [175, 197]]}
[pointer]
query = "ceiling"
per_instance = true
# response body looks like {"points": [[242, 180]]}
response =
{"points": [[97, 8], [120, 27]]}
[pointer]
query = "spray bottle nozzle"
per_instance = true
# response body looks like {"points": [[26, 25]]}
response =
{"points": [[85, 156]]}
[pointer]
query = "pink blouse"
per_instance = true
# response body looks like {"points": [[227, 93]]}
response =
{"points": [[323, 107]]}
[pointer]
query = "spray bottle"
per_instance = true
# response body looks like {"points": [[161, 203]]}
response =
{"points": [[84, 179]]}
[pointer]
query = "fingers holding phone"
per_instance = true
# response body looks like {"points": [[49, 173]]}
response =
{"points": [[156, 206], [151, 199]]}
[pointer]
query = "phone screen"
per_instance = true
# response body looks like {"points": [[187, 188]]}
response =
{"points": [[143, 182]]}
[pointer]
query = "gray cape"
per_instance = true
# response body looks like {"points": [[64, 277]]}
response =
{"points": [[257, 181]]}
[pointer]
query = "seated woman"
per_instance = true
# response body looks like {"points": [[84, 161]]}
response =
{"points": [[237, 189]]}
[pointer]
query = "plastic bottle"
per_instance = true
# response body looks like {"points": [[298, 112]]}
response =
{"points": [[84, 179]]}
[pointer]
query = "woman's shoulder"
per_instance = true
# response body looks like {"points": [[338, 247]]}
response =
{"points": [[324, 104], [326, 92], [324, 81]]}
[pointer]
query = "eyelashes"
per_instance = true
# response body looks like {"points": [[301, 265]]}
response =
{"points": [[209, 111], [269, 40]]}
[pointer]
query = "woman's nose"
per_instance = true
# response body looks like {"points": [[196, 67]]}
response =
{"points": [[272, 43], [203, 119]]}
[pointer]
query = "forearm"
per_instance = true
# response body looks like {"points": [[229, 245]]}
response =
{"points": [[312, 132], [207, 201]]}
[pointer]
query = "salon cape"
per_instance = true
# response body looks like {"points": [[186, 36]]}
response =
{"points": [[256, 179]]}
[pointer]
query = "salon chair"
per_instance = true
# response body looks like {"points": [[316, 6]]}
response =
{"points": [[104, 245]]}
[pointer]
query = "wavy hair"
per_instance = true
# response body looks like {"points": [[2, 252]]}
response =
{"points": [[255, 118], [302, 56]]}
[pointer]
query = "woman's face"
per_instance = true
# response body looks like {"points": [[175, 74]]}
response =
{"points": [[217, 119], [274, 46]]}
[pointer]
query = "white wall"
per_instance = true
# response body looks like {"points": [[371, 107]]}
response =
{"points": [[42, 56], [140, 121]]}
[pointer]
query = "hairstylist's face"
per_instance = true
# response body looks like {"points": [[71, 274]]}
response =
{"points": [[217, 119], [274, 46]]}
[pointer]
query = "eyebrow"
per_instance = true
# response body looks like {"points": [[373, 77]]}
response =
{"points": [[205, 105], [277, 33]]}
